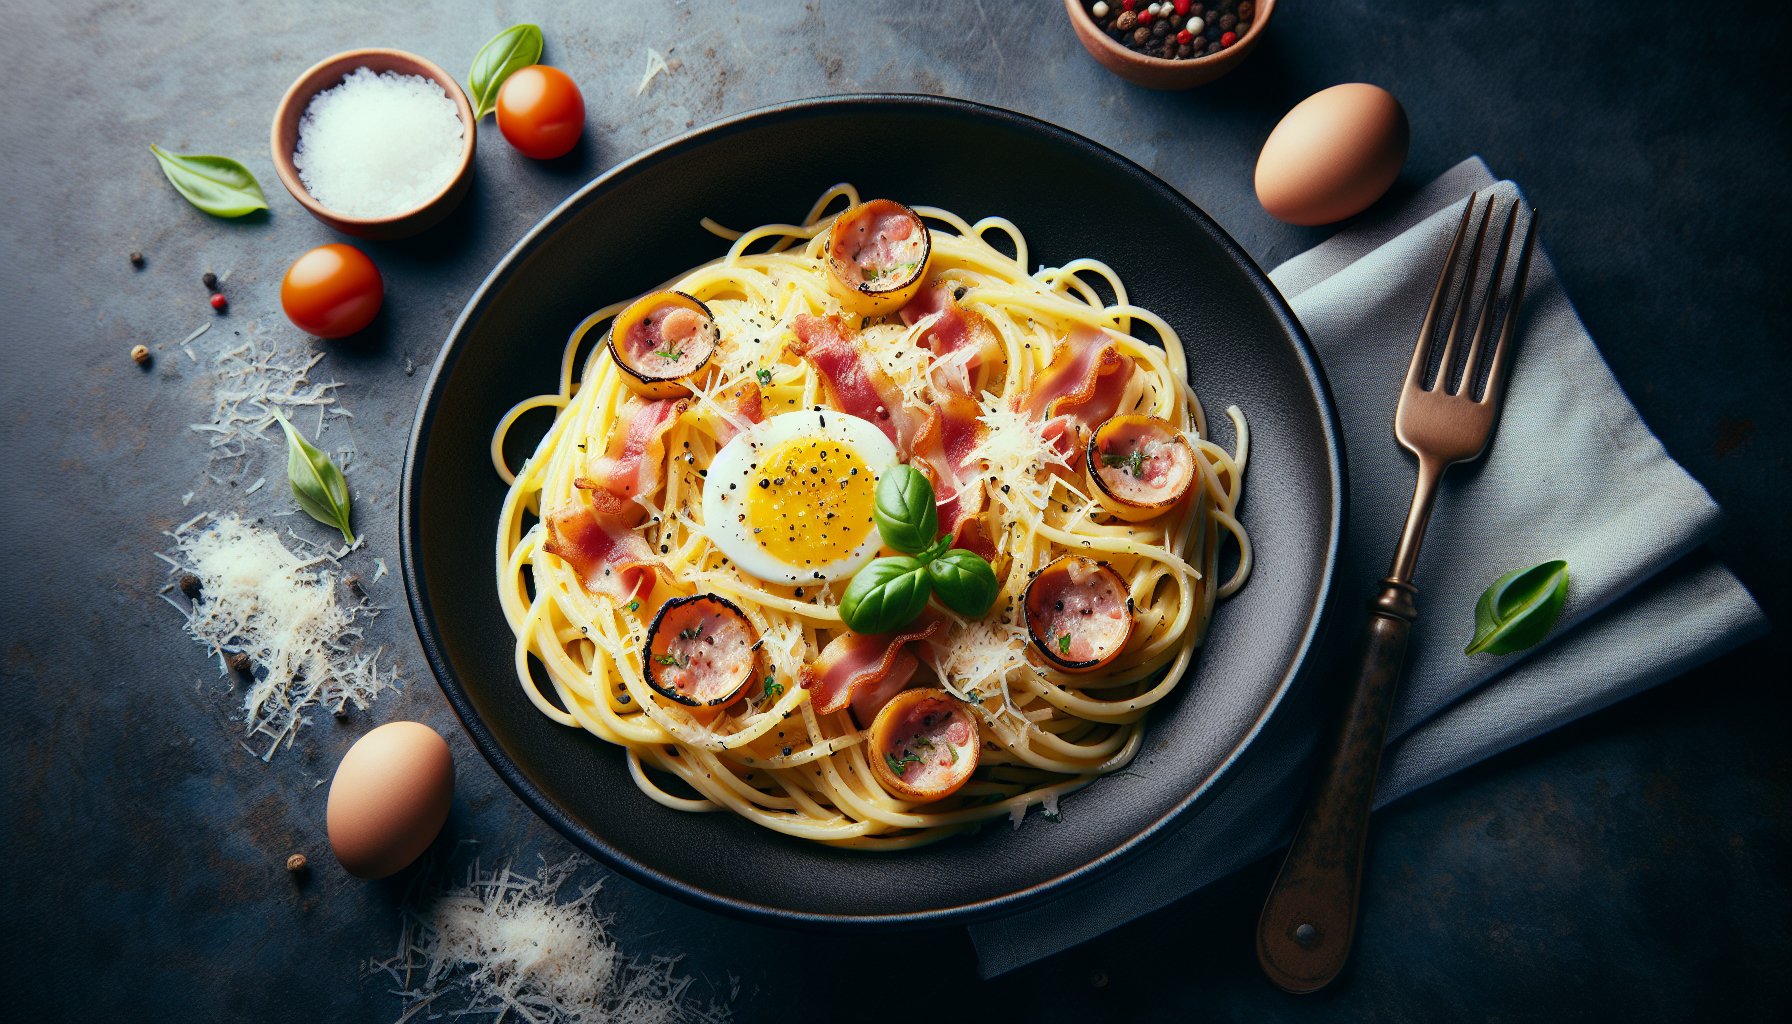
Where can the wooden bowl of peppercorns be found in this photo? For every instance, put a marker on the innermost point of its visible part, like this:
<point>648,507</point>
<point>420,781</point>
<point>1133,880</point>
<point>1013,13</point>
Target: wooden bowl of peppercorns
<point>1170,44</point>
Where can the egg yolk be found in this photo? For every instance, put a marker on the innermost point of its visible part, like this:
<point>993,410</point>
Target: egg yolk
<point>810,501</point>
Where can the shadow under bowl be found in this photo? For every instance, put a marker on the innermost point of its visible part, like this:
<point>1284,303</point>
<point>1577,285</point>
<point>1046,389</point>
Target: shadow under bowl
<point>328,73</point>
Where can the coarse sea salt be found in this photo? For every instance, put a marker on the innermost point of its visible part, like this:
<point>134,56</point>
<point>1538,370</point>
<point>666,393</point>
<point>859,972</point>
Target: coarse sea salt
<point>378,144</point>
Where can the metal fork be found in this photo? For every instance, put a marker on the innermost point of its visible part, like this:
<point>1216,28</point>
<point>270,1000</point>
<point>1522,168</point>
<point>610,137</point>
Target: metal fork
<point>1304,935</point>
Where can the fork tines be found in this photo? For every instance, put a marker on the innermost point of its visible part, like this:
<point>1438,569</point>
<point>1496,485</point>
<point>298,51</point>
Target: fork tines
<point>1419,375</point>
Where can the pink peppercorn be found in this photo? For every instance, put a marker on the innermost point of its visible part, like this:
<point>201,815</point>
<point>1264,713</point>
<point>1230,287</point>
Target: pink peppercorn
<point>218,301</point>
<point>1182,7</point>
<point>1228,39</point>
<point>1145,17</point>
<point>1184,38</point>
<point>1128,4</point>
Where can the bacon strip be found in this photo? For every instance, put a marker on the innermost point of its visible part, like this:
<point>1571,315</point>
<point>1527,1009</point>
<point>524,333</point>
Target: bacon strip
<point>634,459</point>
<point>962,338</point>
<point>866,671</point>
<point>860,387</point>
<point>1086,380</point>
<point>943,447</point>
<point>611,559</point>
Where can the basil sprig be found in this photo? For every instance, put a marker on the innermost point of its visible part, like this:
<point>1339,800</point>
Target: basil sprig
<point>216,184</point>
<point>1518,610</point>
<point>319,486</point>
<point>888,593</point>
<point>509,51</point>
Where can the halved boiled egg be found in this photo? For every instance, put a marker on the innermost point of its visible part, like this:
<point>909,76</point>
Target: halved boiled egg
<point>790,500</point>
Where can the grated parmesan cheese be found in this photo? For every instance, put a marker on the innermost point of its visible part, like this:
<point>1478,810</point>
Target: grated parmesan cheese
<point>250,380</point>
<point>507,944</point>
<point>257,598</point>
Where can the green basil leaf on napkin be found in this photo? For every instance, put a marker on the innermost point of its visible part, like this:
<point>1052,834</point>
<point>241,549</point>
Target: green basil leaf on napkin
<point>885,595</point>
<point>316,482</point>
<point>216,184</point>
<point>509,51</point>
<point>1519,608</point>
<point>904,511</point>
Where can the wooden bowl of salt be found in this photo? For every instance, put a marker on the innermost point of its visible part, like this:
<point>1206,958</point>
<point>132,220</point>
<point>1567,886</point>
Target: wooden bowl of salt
<point>356,157</point>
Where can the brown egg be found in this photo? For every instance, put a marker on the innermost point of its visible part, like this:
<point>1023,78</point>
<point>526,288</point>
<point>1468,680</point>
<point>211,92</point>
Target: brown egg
<point>1332,155</point>
<point>389,798</point>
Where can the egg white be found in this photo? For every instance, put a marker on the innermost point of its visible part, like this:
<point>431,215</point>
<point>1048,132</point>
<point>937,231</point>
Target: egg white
<point>723,505</point>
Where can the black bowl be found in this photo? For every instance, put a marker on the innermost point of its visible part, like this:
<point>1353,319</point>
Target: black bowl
<point>637,226</point>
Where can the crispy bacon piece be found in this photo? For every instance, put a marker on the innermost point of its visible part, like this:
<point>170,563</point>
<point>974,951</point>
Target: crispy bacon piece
<point>866,671</point>
<point>633,462</point>
<point>611,559</point>
<point>1087,380</point>
<point>960,338</point>
<point>942,451</point>
<point>860,387</point>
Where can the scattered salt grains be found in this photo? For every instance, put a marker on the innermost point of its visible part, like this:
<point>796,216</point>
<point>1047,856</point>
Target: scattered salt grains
<point>378,144</point>
<point>507,945</point>
<point>257,598</point>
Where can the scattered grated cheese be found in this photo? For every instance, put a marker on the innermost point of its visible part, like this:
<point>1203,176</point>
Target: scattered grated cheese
<point>978,660</point>
<point>251,378</point>
<point>510,947</point>
<point>1016,451</point>
<point>655,65</point>
<point>256,486</point>
<point>257,598</point>
<point>380,569</point>
<point>186,499</point>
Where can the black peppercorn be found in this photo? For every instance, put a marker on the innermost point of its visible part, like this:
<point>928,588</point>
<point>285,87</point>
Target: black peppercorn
<point>209,279</point>
<point>189,585</point>
<point>1185,51</point>
<point>1246,10</point>
<point>136,259</point>
<point>1227,21</point>
<point>238,662</point>
<point>1140,34</point>
<point>1160,28</point>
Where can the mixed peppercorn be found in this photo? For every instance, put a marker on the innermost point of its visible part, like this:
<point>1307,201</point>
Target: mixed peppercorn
<point>1174,29</point>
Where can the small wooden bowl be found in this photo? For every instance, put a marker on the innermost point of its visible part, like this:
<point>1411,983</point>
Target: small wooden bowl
<point>329,73</point>
<point>1155,72</point>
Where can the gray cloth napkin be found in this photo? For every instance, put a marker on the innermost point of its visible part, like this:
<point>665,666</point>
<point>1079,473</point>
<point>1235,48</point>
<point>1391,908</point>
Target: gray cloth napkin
<point>1572,473</point>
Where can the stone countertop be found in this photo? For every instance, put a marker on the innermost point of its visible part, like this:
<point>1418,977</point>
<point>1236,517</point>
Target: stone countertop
<point>1632,865</point>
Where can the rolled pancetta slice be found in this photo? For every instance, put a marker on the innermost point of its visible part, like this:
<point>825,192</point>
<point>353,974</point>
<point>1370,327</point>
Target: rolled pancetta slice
<point>1139,466</point>
<point>924,745</point>
<point>701,651</point>
<point>877,255</point>
<point>660,340</point>
<point>1078,614</point>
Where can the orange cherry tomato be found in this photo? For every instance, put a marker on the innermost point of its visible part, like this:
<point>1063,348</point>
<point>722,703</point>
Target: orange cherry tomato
<point>541,112</point>
<point>332,291</point>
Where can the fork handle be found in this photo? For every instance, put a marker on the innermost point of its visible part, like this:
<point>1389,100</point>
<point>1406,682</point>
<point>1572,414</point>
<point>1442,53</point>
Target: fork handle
<point>1304,935</point>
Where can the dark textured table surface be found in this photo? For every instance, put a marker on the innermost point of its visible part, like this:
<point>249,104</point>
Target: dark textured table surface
<point>1632,865</point>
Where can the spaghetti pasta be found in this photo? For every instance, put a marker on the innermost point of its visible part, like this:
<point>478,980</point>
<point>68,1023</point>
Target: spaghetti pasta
<point>771,757</point>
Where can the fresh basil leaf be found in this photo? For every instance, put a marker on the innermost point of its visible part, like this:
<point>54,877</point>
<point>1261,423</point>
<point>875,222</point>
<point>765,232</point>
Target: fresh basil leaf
<point>216,184</point>
<point>316,482</point>
<point>964,582</point>
<point>509,51</point>
<point>904,512</point>
<point>1518,610</point>
<point>885,595</point>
